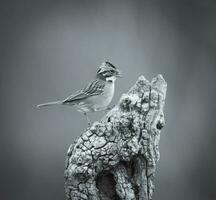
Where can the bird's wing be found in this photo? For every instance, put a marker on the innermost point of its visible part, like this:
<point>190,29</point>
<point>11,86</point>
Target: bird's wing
<point>94,88</point>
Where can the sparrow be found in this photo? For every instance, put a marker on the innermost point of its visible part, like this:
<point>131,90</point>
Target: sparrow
<point>96,96</point>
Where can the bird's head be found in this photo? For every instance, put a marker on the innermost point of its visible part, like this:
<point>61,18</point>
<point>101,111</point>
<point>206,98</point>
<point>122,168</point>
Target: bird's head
<point>108,72</point>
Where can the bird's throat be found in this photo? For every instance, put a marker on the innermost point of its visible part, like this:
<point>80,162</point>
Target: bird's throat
<point>111,79</point>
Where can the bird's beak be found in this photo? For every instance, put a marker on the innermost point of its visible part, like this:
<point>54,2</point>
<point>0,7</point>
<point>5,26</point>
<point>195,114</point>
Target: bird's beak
<point>118,73</point>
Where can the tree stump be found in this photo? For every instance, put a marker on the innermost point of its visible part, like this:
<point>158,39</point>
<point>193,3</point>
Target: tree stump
<point>116,158</point>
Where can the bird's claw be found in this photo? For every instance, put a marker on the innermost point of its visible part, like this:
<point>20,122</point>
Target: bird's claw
<point>89,124</point>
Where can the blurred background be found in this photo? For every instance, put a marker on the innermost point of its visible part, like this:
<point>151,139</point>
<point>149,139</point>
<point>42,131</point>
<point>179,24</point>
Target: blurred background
<point>49,49</point>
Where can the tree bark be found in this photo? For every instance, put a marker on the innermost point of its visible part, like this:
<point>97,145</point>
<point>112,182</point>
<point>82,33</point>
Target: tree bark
<point>116,158</point>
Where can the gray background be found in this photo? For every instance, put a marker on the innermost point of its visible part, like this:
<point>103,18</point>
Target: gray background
<point>49,49</point>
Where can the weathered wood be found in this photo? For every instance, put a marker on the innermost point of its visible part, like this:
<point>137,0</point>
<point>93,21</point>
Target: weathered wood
<point>116,158</point>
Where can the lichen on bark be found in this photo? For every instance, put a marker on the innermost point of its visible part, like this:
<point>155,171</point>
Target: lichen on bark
<point>115,159</point>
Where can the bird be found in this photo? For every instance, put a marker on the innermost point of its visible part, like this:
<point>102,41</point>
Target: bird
<point>96,96</point>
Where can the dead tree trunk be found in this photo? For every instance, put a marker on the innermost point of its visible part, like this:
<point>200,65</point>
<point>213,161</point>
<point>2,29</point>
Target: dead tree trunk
<point>116,158</point>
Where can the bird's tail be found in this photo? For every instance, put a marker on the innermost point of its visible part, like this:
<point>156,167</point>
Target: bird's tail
<point>49,104</point>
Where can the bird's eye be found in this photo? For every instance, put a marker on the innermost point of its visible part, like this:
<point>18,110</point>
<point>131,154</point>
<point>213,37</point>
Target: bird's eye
<point>112,71</point>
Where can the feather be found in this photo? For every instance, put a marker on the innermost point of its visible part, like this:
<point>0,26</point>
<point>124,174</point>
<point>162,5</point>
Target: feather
<point>94,88</point>
<point>49,104</point>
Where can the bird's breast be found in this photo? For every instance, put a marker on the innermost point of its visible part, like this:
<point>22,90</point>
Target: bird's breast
<point>97,102</point>
<point>102,101</point>
<point>108,93</point>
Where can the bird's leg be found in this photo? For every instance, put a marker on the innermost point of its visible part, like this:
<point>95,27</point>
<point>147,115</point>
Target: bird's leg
<point>88,120</point>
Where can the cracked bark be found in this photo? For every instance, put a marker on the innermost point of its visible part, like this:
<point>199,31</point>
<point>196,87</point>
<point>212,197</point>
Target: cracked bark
<point>116,158</point>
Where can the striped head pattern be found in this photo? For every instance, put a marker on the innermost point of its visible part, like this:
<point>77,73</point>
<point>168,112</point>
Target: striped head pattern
<point>107,71</point>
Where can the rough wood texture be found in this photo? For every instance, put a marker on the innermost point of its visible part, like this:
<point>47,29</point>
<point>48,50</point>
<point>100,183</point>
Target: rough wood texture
<point>116,158</point>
